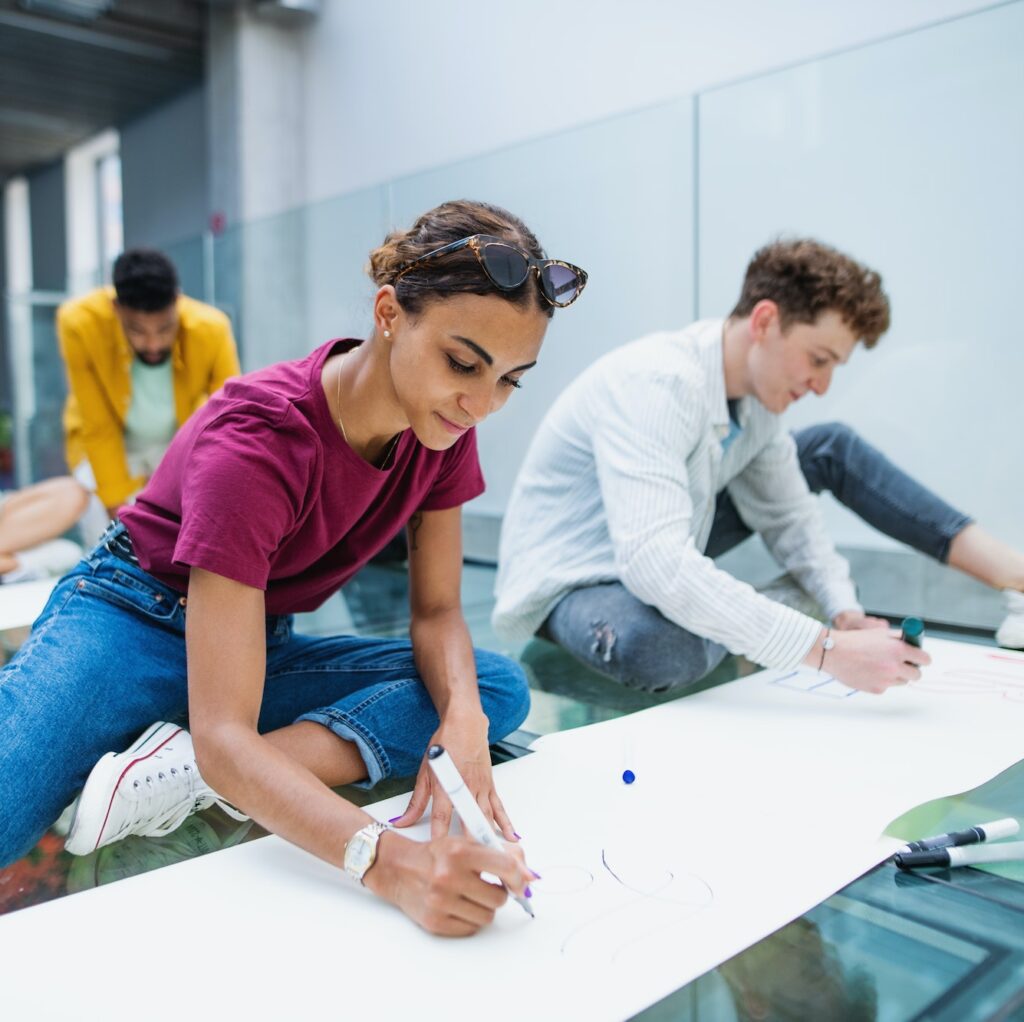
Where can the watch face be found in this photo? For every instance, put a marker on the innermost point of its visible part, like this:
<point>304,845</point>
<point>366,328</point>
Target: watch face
<point>358,855</point>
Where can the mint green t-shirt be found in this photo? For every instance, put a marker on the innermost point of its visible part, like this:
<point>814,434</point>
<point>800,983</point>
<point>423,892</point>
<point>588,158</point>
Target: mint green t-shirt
<point>151,421</point>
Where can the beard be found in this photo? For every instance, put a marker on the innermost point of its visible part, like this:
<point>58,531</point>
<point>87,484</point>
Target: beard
<point>156,359</point>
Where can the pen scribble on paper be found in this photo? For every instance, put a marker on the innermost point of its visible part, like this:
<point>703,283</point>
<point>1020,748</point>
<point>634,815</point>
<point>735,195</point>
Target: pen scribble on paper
<point>814,683</point>
<point>565,879</point>
<point>664,898</point>
<point>985,681</point>
<point>1003,679</point>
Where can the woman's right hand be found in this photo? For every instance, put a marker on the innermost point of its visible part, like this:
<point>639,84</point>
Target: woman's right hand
<point>438,885</point>
<point>871,660</point>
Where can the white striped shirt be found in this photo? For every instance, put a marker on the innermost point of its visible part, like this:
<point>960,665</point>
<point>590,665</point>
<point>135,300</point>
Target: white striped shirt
<point>620,483</point>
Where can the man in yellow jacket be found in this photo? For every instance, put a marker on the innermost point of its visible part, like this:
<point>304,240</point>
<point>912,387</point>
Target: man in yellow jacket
<point>141,357</point>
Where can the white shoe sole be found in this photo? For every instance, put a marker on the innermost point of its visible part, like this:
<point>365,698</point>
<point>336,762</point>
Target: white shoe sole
<point>86,833</point>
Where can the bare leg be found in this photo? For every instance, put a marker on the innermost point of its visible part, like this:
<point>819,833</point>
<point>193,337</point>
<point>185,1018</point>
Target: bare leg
<point>333,760</point>
<point>37,513</point>
<point>986,558</point>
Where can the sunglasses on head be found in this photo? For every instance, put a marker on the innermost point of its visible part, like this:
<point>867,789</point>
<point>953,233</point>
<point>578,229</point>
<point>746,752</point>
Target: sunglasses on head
<point>507,267</point>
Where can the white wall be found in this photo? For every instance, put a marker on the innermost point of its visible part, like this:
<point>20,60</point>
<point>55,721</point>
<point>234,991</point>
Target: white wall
<point>81,202</point>
<point>392,88</point>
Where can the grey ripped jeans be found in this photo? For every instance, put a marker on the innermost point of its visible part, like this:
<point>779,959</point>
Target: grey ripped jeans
<point>611,631</point>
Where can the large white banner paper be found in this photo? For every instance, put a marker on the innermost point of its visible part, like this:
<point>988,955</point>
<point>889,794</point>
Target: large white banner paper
<point>752,803</point>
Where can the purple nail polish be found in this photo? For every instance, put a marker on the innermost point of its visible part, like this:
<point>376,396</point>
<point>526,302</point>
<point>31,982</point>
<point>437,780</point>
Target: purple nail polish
<point>528,893</point>
<point>393,818</point>
<point>536,875</point>
<point>519,837</point>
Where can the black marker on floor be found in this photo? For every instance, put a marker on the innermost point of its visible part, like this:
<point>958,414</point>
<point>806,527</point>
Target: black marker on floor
<point>973,835</point>
<point>1009,851</point>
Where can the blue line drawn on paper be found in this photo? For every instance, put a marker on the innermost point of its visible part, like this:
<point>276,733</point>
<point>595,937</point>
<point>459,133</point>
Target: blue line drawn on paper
<point>813,682</point>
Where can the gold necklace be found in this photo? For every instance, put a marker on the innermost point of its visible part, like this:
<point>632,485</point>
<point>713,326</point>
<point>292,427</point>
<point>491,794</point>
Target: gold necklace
<point>337,400</point>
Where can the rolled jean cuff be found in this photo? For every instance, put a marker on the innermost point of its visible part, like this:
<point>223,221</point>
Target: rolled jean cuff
<point>949,533</point>
<point>350,730</point>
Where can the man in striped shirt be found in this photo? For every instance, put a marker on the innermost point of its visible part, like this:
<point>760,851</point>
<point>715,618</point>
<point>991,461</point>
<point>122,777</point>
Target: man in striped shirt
<point>668,451</point>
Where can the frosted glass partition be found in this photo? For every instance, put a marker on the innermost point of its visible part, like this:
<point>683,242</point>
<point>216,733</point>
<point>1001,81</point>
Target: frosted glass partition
<point>615,198</point>
<point>295,280</point>
<point>910,155</point>
<point>339,235</point>
<point>39,386</point>
<point>259,281</point>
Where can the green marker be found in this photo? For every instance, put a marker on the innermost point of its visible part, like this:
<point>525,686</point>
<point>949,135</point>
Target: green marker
<point>913,631</point>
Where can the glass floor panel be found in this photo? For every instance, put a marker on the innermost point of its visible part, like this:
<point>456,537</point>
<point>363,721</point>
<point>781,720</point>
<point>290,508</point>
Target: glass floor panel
<point>944,945</point>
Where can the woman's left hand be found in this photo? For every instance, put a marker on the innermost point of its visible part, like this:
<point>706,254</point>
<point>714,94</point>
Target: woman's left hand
<point>465,739</point>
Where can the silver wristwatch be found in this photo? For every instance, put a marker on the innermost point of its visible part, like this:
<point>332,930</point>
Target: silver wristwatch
<point>361,849</point>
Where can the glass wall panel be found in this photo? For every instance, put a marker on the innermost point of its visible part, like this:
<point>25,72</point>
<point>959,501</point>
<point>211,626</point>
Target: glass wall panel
<point>295,280</point>
<point>908,154</point>
<point>617,199</point>
<point>39,387</point>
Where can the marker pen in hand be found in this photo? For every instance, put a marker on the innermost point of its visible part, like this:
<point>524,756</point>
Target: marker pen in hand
<point>473,819</point>
<point>1009,851</point>
<point>972,836</point>
<point>912,631</point>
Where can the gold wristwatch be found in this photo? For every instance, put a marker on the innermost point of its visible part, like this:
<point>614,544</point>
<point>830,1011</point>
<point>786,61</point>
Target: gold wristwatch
<point>361,849</point>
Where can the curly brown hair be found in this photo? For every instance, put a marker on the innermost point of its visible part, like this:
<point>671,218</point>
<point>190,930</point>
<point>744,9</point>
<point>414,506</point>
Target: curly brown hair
<point>806,278</point>
<point>460,272</point>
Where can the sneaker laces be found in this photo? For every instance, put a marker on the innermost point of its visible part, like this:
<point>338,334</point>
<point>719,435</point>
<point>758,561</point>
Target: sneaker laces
<point>161,801</point>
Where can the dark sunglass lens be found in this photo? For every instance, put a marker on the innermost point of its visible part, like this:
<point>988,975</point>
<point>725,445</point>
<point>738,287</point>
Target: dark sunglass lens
<point>560,283</point>
<point>507,267</point>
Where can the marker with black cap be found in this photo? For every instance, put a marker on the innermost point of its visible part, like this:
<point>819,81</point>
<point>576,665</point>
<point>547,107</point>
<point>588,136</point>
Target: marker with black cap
<point>1008,851</point>
<point>473,819</point>
<point>973,835</point>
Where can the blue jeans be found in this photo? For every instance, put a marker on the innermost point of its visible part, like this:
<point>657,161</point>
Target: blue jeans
<point>612,632</point>
<point>106,658</point>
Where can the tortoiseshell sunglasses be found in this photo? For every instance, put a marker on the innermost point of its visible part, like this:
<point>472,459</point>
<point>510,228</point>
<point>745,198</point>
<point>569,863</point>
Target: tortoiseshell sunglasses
<point>507,267</point>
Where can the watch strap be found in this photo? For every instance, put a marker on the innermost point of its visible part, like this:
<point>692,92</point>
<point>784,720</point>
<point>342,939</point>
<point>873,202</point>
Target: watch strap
<point>370,837</point>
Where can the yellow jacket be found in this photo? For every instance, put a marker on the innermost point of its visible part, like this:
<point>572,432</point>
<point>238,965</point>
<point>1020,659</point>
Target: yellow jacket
<point>99,367</point>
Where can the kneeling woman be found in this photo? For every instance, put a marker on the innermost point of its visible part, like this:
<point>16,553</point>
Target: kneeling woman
<point>268,500</point>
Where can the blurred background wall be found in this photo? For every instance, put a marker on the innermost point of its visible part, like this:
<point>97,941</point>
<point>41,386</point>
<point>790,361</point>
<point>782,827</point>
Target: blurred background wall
<point>267,146</point>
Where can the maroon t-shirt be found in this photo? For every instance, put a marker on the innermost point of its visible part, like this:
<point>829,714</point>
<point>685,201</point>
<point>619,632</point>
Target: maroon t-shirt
<point>259,486</point>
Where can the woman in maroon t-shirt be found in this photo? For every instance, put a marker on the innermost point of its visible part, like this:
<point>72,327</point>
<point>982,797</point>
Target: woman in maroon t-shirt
<point>269,498</point>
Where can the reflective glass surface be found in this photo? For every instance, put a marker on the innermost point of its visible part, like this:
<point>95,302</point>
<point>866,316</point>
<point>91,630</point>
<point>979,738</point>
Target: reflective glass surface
<point>943,945</point>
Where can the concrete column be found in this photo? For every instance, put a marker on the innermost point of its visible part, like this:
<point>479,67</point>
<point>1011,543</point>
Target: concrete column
<point>257,149</point>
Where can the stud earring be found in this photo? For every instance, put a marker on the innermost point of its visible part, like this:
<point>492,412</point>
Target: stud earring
<point>387,335</point>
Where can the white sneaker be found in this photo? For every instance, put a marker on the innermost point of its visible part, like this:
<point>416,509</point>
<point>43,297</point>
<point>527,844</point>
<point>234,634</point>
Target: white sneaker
<point>786,590</point>
<point>1011,632</point>
<point>149,790</point>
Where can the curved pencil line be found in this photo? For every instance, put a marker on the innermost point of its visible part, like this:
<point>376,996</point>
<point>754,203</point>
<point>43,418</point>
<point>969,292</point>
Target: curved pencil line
<point>656,896</point>
<point>643,894</point>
